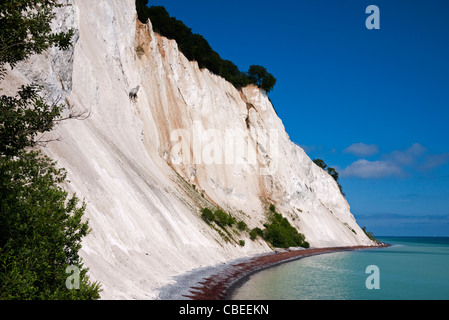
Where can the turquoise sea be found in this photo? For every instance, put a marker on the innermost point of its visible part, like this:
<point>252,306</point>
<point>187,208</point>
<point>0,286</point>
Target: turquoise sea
<point>412,268</point>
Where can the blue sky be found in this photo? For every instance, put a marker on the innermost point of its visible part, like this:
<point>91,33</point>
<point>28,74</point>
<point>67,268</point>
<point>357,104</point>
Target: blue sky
<point>372,103</point>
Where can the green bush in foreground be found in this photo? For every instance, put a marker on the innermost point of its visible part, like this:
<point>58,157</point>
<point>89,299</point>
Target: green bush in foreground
<point>41,228</point>
<point>40,232</point>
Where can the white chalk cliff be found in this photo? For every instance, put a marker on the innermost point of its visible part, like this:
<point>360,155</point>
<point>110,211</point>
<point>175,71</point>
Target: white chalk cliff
<point>147,165</point>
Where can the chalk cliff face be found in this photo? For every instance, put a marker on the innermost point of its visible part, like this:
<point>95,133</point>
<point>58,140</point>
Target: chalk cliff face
<point>146,165</point>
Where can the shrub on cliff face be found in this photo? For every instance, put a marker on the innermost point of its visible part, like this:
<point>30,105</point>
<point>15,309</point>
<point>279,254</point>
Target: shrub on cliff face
<point>280,233</point>
<point>220,217</point>
<point>241,225</point>
<point>255,232</point>
<point>207,215</point>
<point>223,219</point>
<point>370,235</point>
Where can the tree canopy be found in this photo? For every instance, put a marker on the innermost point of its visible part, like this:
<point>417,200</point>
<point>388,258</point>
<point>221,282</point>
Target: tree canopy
<point>260,76</point>
<point>196,48</point>
<point>320,163</point>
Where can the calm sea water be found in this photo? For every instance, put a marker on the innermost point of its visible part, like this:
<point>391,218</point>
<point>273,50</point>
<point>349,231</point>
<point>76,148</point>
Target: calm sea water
<point>412,268</point>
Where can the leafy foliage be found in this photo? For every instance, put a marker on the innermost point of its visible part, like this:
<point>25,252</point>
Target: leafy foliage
<point>260,76</point>
<point>40,227</point>
<point>220,217</point>
<point>22,118</point>
<point>40,231</point>
<point>241,225</point>
<point>26,30</point>
<point>370,235</point>
<point>331,171</point>
<point>207,215</point>
<point>320,163</point>
<point>223,219</point>
<point>280,233</point>
<point>255,232</point>
<point>196,48</point>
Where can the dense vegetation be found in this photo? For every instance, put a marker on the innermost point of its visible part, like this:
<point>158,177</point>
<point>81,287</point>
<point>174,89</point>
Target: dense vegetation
<point>196,48</point>
<point>280,233</point>
<point>220,217</point>
<point>331,171</point>
<point>225,222</point>
<point>40,226</point>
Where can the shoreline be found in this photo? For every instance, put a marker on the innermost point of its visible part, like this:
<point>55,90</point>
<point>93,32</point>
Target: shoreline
<point>222,284</point>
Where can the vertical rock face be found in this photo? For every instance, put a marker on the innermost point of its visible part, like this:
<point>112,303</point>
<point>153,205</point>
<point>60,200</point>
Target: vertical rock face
<point>147,160</point>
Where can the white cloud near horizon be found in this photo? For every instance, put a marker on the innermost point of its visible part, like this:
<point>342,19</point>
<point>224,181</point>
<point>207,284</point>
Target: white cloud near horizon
<point>361,149</point>
<point>407,157</point>
<point>372,169</point>
<point>433,161</point>
<point>392,164</point>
